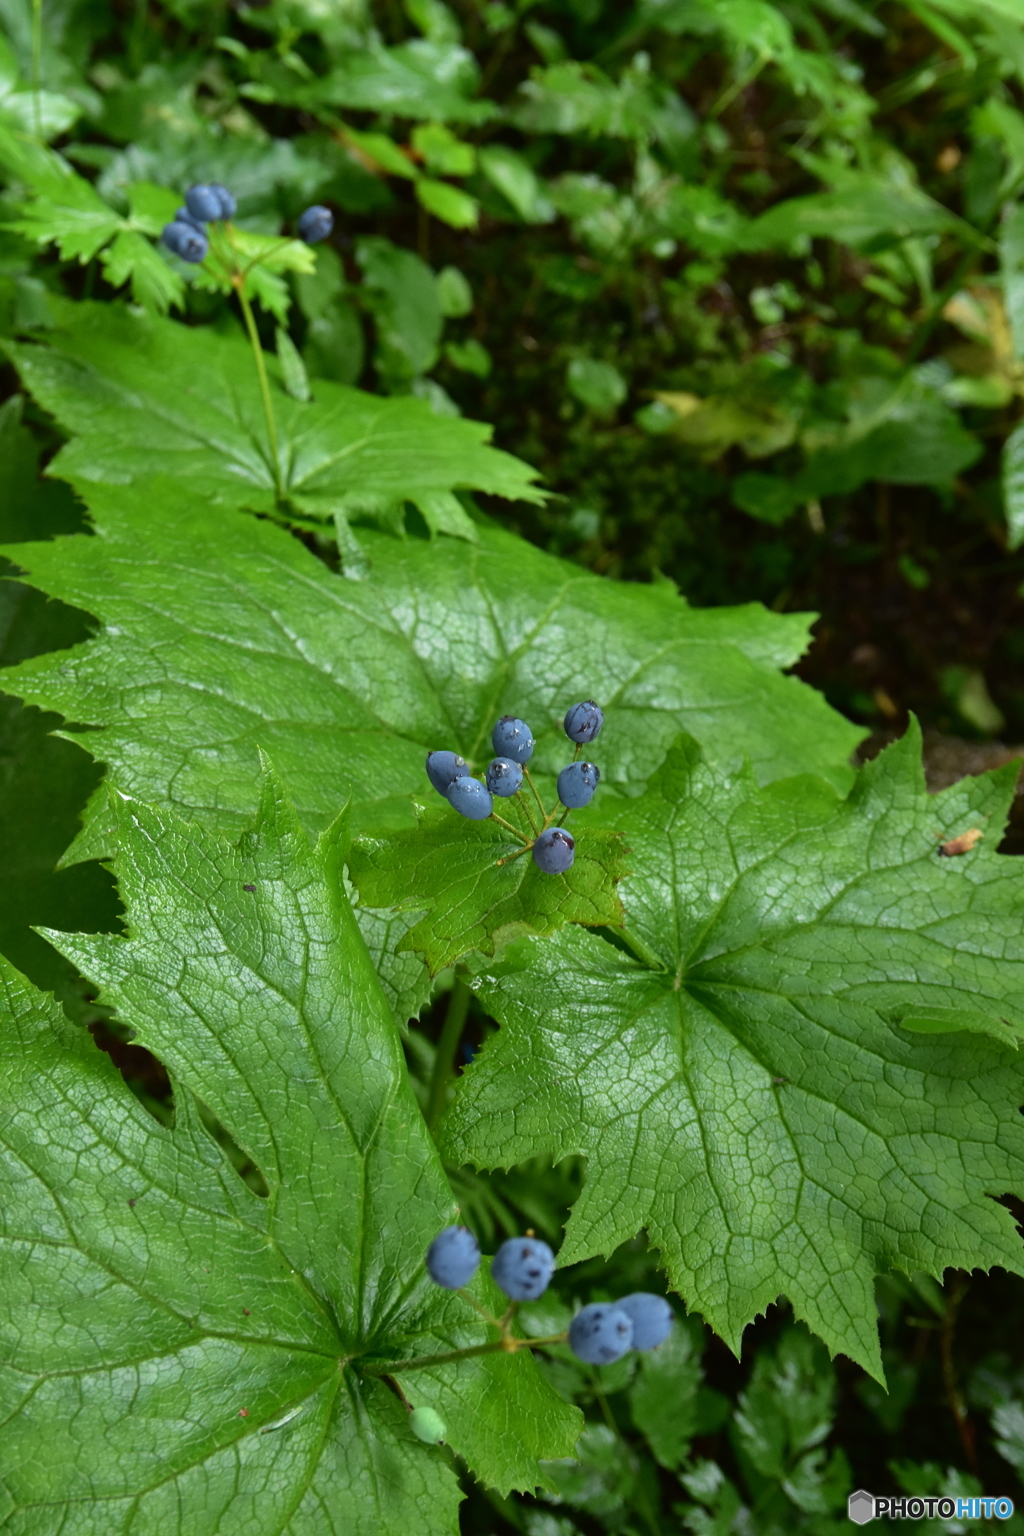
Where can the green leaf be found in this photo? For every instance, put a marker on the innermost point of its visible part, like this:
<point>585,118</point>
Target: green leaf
<point>431,81</point>
<point>403,296</point>
<point>769,498</point>
<point>862,210</point>
<point>221,633</point>
<point>44,782</point>
<point>293,370</point>
<point>941,1021</point>
<point>454,294</point>
<point>751,1104</point>
<point>449,204</point>
<point>149,396</point>
<point>69,213</point>
<point>478,891</point>
<point>196,1356</point>
<point>599,386</point>
<point>664,1394</point>
<point>515,178</point>
<point>1013,486</point>
<point>442,152</point>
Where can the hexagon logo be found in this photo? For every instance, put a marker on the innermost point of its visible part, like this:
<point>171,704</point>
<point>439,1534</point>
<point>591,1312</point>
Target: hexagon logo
<point>860,1507</point>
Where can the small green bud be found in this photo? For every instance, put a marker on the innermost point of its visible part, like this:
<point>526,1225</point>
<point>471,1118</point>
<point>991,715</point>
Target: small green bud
<point>427,1425</point>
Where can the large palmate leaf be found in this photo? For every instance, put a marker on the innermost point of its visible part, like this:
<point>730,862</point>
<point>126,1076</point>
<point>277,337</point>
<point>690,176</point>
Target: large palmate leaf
<point>750,1095</point>
<point>221,633</point>
<point>44,782</point>
<point>150,396</point>
<point>477,888</point>
<point>182,1355</point>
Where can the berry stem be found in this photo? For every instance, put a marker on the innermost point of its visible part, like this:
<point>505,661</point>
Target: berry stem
<point>261,374</point>
<point>444,1060</point>
<point>495,1347</point>
<point>536,796</point>
<point>510,828</point>
<point>510,856</point>
<point>495,1322</point>
<point>525,807</point>
<point>576,754</point>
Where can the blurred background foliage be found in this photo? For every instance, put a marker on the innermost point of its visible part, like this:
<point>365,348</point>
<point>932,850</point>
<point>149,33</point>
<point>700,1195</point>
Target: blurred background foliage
<point>745,281</point>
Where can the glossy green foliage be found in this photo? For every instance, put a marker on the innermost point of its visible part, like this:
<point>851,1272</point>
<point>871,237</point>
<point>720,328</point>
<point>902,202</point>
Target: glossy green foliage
<point>146,396</point>
<point>479,890</point>
<point>220,634</point>
<point>184,1353</point>
<point>748,1095</point>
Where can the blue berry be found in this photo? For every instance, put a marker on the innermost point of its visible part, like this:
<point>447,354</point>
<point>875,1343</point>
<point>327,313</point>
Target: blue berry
<point>583,721</point>
<point>203,202</point>
<point>453,1258</point>
<point>600,1333</point>
<point>443,768</point>
<point>554,851</point>
<point>523,1267</point>
<point>186,241</point>
<point>651,1316</point>
<point>227,202</point>
<point>504,777</point>
<point>314,224</point>
<point>182,216</point>
<point>577,783</point>
<point>427,1425</point>
<point>512,738</point>
<point>470,798</point>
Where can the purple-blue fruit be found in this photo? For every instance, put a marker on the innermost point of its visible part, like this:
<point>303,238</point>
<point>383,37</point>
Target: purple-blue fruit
<point>470,798</point>
<point>522,1268</point>
<point>554,851</point>
<point>453,1258</point>
<point>443,768</point>
<point>186,241</point>
<point>601,1333</point>
<point>583,721</point>
<point>504,776</point>
<point>182,216</point>
<point>512,738</point>
<point>314,224</point>
<point>227,202</point>
<point>651,1316</point>
<point>577,783</point>
<point>203,202</point>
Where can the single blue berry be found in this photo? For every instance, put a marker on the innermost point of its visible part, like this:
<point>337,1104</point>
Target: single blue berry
<point>453,1258</point>
<point>651,1316</point>
<point>443,768</point>
<point>470,798</point>
<point>576,784</point>
<point>523,1267</point>
<point>600,1333</point>
<point>583,721</point>
<point>504,776</point>
<point>227,202</point>
<point>203,202</point>
<point>554,851</point>
<point>315,224</point>
<point>512,738</point>
<point>186,241</point>
<point>182,216</point>
<point>427,1425</point>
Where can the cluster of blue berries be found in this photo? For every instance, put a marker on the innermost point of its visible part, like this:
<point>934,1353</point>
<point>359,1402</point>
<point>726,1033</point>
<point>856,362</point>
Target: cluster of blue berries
<point>208,202</point>
<point>522,1267</point>
<point>553,848</point>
